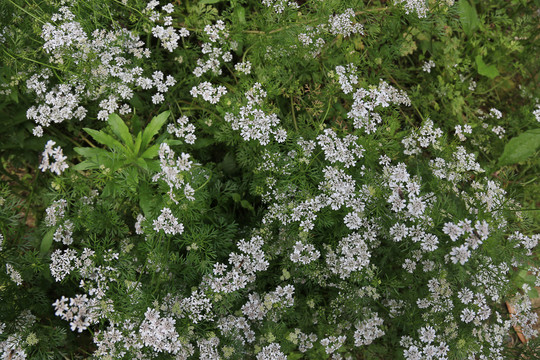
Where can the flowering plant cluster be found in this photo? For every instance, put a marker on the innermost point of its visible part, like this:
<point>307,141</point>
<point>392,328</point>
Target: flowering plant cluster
<point>270,179</point>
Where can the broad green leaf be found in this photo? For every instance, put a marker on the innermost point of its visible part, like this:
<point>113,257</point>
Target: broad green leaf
<point>121,130</point>
<point>142,163</point>
<point>208,2</point>
<point>86,165</point>
<point>145,199</point>
<point>151,152</point>
<point>521,147</point>
<point>91,152</point>
<point>46,242</point>
<point>153,128</point>
<point>533,293</point>
<point>487,70</point>
<point>240,14</point>
<point>153,165</point>
<point>173,142</point>
<point>105,139</point>
<point>468,17</point>
<point>138,142</point>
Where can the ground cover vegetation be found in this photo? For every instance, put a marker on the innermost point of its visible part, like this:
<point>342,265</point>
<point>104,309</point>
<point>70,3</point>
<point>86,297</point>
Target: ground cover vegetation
<point>245,179</point>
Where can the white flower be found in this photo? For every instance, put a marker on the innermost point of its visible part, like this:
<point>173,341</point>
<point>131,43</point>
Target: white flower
<point>168,223</point>
<point>460,254</point>
<point>366,101</point>
<point>14,274</point>
<point>428,65</point>
<point>244,67</point>
<point>271,352</point>
<point>280,5</point>
<point>183,129</point>
<point>345,150</point>
<point>208,92</point>
<point>420,7</point>
<point>64,233</point>
<point>59,164</point>
<point>342,24</point>
<point>368,330</point>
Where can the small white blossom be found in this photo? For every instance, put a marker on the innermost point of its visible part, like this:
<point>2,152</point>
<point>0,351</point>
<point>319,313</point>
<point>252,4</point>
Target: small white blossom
<point>168,223</point>
<point>428,65</point>
<point>14,275</point>
<point>59,164</point>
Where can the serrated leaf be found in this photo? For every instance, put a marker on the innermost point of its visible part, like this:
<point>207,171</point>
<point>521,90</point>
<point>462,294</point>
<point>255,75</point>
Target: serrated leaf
<point>153,128</point>
<point>486,70</point>
<point>533,293</point>
<point>151,152</point>
<point>105,139</point>
<point>520,148</point>
<point>120,128</point>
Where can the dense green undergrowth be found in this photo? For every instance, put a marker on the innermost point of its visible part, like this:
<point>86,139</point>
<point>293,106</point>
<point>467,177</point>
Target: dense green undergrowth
<point>244,179</point>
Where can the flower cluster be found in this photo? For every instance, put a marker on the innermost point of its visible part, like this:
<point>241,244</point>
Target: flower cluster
<point>368,330</point>
<point>59,164</point>
<point>64,233</point>
<point>333,343</point>
<point>80,311</point>
<point>428,65</point>
<point>304,253</point>
<point>345,150</point>
<point>420,7</point>
<point>172,171</point>
<point>338,24</point>
<point>461,130</point>
<point>271,352</point>
<point>256,308</point>
<point>422,138</point>
<point>279,5</point>
<point>351,255</point>
<point>217,34</point>
<point>168,35</point>
<point>304,341</point>
<point>244,267</point>
<point>366,101</point>
<point>159,333</point>
<point>183,129</point>
<point>14,275</point>
<point>243,67</point>
<point>208,92</point>
<point>341,24</point>
<point>347,77</point>
<point>168,223</point>
<point>253,122</point>
<point>55,212</point>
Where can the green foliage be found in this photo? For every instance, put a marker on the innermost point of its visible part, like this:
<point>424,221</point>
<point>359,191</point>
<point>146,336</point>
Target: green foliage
<point>520,148</point>
<point>347,151</point>
<point>124,151</point>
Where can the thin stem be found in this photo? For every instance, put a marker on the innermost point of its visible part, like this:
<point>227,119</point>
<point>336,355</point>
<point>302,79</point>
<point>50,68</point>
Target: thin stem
<point>27,12</point>
<point>293,115</point>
